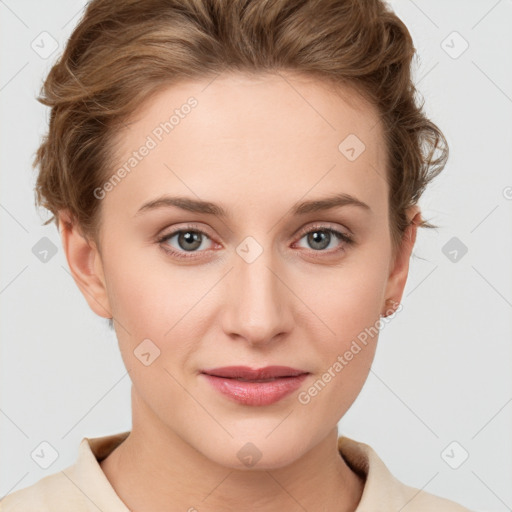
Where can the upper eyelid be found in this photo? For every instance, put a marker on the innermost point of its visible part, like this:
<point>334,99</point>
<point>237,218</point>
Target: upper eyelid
<point>322,226</point>
<point>316,225</point>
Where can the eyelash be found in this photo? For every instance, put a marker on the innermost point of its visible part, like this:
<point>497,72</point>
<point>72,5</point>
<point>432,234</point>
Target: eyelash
<point>347,239</point>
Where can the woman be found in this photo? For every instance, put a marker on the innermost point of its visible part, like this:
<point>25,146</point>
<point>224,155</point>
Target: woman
<point>281,140</point>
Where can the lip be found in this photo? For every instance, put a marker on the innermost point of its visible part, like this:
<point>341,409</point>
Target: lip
<point>244,372</point>
<point>263,386</point>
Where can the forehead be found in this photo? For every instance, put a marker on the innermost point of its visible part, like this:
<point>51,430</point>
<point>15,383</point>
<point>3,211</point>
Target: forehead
<point>231,101</point>
<point>258,138</point>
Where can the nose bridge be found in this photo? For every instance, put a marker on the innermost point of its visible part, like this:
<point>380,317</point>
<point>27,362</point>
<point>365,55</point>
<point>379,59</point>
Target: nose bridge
<point>257,306</point>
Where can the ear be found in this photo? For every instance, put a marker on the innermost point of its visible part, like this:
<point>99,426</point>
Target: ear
<point>84,261</point>
<point>399,269</point>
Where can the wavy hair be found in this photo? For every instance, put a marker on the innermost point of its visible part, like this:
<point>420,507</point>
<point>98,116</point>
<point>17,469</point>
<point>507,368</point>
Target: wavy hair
<point>122,52</point>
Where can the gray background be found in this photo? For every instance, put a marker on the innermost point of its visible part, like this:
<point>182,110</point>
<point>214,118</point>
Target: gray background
<point>442,371</point>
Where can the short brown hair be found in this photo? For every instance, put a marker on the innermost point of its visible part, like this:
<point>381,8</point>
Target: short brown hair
<point>123,51</point>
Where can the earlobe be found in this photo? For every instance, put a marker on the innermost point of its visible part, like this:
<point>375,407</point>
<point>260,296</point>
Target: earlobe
<point>85,265</point>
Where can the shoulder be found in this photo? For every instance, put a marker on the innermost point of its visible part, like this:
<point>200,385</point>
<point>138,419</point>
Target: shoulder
<point>53,493</point>
<point>417,500</point>
<point>382,491</point>
<point>80,487</point>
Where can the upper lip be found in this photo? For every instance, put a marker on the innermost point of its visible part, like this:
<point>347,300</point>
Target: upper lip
<point>244,372</point>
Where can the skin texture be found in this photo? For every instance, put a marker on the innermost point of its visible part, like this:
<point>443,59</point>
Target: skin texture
<point>255,146</point>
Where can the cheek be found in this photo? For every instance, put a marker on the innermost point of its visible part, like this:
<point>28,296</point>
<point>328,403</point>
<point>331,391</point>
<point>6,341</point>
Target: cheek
<point>152,300</point>
<point>160,304</point>
<point>346,354</point>
<point>348,299</point>
<point>146,292</point>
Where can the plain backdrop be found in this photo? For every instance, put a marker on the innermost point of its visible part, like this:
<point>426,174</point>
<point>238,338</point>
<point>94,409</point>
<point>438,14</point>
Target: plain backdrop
<point>437,405</point>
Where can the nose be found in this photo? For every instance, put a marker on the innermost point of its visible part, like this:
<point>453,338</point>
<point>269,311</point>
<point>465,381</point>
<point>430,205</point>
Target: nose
<point>259,303</point>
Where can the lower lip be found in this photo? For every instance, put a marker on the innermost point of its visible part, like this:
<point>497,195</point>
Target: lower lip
<point>256,393</point>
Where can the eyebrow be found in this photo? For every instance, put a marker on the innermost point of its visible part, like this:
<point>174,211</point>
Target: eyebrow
<point>207,207</point>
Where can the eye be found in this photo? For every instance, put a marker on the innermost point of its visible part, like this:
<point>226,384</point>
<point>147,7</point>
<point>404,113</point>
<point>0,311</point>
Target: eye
<point>188,240</point>
<point>191,239</point>
<point>322,237</point>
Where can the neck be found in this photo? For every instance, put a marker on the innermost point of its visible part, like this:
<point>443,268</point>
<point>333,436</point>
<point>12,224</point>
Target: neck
<point>155,469</point>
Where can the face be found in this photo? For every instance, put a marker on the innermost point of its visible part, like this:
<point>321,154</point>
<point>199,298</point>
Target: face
<point>269,282</point>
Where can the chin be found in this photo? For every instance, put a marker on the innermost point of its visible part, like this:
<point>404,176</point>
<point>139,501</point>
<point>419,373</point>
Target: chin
<point>257,452</point>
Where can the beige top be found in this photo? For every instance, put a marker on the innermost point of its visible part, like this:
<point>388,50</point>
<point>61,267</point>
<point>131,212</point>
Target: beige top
<point>83,487</point>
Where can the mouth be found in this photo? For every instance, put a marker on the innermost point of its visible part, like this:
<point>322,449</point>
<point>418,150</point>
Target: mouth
<point>246,374</point>
<point>258,387</point>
